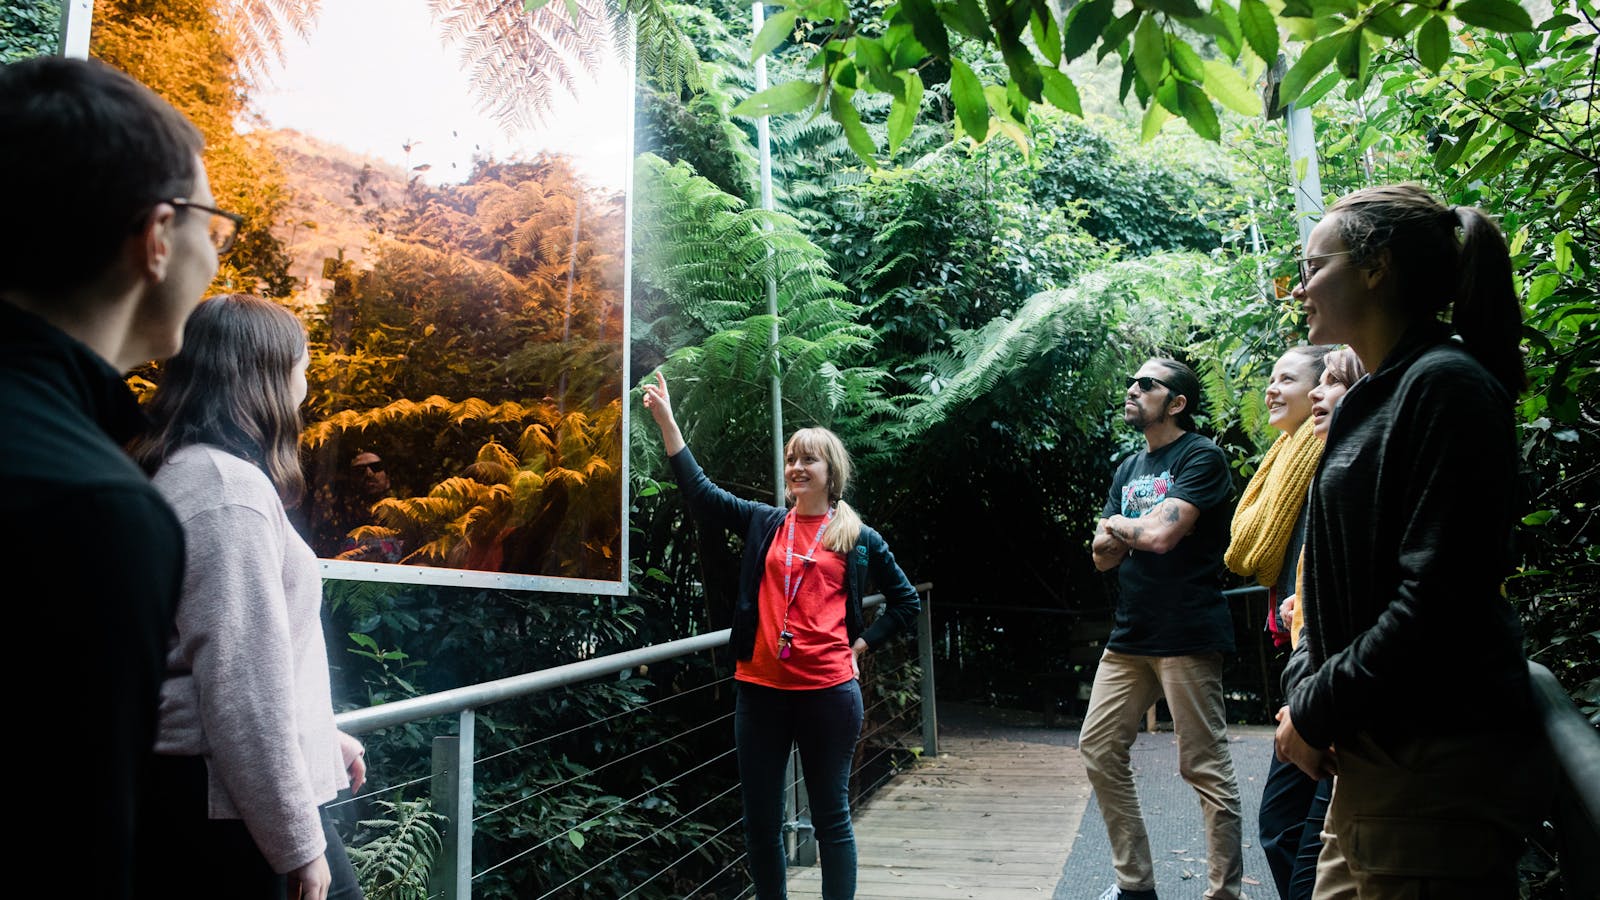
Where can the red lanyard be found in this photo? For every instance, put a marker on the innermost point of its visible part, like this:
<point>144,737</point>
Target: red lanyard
<point>791,590</point>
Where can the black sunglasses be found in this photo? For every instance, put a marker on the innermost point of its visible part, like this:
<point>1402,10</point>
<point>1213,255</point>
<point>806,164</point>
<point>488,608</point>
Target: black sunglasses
<point>374,467</point>
<point>1148,383</point>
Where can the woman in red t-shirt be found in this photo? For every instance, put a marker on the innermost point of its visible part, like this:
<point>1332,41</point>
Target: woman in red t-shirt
<point>797,632</point>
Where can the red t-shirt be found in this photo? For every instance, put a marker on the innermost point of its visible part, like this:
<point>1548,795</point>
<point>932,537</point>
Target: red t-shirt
<point>820,654</point>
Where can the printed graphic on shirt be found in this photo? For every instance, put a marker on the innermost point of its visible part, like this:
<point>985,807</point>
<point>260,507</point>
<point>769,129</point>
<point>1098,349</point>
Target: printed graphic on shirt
<point>1143,492</point>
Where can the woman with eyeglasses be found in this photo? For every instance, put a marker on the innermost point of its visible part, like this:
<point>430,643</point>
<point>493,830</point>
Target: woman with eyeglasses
<point>1267,530</point>
<point>246,748</point>
<point>798,630</point>
<point>1413,690</point>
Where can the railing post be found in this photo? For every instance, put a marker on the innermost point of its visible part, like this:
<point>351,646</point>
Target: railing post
<point>451,876</point>
<point>930,714</point>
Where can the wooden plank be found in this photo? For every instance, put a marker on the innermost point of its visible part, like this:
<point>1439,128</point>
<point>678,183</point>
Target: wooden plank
<point>989,818</point>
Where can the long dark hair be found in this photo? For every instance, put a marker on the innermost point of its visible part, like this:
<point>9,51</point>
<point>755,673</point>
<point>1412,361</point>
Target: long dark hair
<point>1435,269</point>
<point>229,387</point>
<point>1184,383</point>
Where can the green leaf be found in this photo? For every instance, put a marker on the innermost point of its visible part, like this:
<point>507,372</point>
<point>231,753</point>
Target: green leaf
<point>1187,62</point>
<point>1046,36</point>
<point>1562,246</point>
<point>903,111</point>
<point>1260,29</point>
<point>576,837</point>
<point>573,12</point>
<point>1538,517</point>
<point>1321,87</point>
<point>1155,116</point>
<point>1061,92</point>
<point>1310,64</point>
<point>1496,15</point>
<point>1451,150</point>
<point>1183,9</point>
<point>534,5</point>
<point>1198,111</point>
<point>928,28</point>
<point>791,96</point>
<point>1433,43</point>
<point>1354,56</point>
<point>1558,22</point>
<point>1118,31</point>
<point>1023,68</point>
<point>871,56</point>
<point>1150,52</point>
<point>967,94</point>
<point>905,51</point>
<point>364,640</point>
<point>968,17</point>
<point>776,30</point>
<point>1226,84</point>
<point>1084,26</point>
<point>1167,96</point>
<point>844,112</point>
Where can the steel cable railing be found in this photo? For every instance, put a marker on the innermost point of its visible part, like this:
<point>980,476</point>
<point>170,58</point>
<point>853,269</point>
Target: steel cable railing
<point>654,832</point>
<point>593,819</point>
<point>587,773</point>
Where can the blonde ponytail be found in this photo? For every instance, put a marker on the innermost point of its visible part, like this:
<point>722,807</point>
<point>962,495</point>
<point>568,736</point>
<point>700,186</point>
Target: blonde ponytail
<point>845,529</point>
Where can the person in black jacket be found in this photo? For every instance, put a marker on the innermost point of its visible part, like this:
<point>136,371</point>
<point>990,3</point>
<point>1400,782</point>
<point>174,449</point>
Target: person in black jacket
<point>1410,686</point>
<point>107,246</point>
<point>797,633</point>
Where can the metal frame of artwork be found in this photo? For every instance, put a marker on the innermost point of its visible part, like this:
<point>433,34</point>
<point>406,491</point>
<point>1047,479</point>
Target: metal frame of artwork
<point>76,22</point>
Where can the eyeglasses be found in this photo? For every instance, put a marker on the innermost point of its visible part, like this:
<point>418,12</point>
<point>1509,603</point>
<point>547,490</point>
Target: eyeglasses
<point>1305,273</point>
<point>375,468</point>
<point>223,227</point>
<point>1147,383</point>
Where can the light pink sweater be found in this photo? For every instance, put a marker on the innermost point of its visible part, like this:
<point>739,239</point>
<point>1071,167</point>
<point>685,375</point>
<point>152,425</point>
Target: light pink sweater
<point>247,684</point>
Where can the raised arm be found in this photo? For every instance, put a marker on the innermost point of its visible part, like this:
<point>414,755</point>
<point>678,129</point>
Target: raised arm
<point>659,402</point>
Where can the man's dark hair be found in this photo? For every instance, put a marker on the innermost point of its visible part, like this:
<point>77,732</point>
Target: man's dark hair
<point>1184,382</point>
<point>88,152</point>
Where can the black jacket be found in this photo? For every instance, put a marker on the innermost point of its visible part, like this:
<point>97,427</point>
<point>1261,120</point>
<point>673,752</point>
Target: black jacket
<point>869,562</point>
<point>1409,523</point>
<point>93,561</point>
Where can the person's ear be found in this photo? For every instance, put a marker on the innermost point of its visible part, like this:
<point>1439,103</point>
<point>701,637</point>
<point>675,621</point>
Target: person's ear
<point>1378,269</point>
<point>1177,403</point>
<point>156,241</point>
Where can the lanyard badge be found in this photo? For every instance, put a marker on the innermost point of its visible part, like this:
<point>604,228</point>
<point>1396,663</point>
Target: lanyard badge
<point>791,581</point>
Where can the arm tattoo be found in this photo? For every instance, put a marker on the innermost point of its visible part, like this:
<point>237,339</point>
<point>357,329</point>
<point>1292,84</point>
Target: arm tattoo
<point>1173,514</point>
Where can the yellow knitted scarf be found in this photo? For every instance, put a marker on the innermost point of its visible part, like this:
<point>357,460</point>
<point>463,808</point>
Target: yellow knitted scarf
<point>1264,521</point>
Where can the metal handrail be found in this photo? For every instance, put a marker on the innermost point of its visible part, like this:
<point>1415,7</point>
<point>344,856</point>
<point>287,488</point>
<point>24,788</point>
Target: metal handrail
<point>456,700</point>
<point>1575,807</point>
<point>454,755</point>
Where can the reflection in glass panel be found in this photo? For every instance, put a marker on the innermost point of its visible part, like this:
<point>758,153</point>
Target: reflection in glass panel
<point>446,189</point>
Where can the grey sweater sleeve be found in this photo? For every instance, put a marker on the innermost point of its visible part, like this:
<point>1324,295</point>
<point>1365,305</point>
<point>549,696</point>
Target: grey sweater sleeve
<point>234,630</point>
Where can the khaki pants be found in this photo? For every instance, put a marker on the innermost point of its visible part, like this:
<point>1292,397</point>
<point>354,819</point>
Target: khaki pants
<point>1422,818</point>
<point>1124,687</point>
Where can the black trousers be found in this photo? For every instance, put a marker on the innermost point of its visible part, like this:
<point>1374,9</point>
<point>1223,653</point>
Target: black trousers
<point>185,855</point>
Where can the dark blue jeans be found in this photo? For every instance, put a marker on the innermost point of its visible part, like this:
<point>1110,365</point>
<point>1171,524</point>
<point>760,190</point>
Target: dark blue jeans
<point>825,724</point>
<point>1292,809</point>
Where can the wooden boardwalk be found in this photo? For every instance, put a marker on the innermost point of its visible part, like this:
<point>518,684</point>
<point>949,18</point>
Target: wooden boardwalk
<point>993,817</point>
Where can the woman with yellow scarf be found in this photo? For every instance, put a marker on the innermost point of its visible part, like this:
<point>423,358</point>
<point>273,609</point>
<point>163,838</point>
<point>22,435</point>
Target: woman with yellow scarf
<point>1268,529</point>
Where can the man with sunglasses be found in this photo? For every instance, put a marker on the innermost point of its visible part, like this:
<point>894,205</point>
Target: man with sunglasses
<point>1164,529</point>
<point>111,239</point>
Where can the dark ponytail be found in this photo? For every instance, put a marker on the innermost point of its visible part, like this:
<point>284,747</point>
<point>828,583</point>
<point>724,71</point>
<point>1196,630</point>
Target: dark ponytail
<point>1434,269</point>
<point>1487,314</point>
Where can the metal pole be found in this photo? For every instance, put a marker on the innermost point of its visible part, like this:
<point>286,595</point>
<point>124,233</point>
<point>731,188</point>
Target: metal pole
<point>1303,168</point>
<point>764,155</point>
<point>76,17</point>
<point>451,876</point>
<point>930,714</point>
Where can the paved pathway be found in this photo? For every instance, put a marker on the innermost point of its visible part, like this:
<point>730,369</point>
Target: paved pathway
<point>1006,812</point>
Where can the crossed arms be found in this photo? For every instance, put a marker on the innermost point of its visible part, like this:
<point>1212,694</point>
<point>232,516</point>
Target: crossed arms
<point>1157,531</point>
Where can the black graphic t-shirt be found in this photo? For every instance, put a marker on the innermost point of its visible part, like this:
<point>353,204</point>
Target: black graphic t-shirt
<point>1171,603</point>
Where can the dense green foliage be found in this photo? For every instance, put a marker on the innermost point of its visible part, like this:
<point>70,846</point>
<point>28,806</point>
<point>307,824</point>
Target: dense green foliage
<point>29,28</point>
